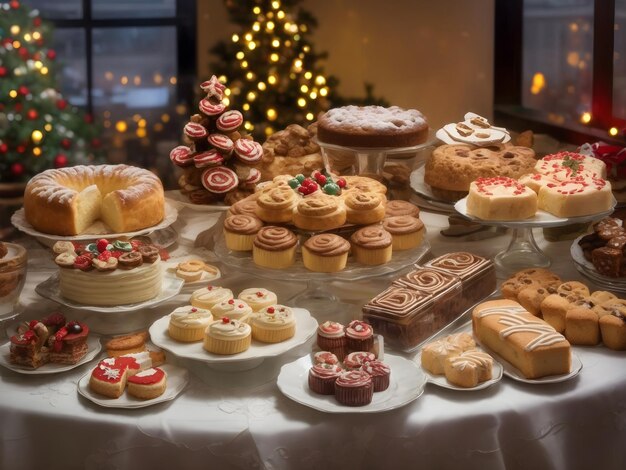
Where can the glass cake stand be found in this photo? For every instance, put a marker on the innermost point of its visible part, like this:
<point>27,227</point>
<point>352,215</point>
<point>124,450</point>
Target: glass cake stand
<point>523,251</point>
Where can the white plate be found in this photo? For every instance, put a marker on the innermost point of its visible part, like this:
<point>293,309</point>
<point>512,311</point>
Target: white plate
<point>177,379</point>
<point>50,290</point>
<point>617,284</point>
<point>441,381</point>
<point>306,326</point>
<point>541,218</point>
<point>180,199</point>
<point>93,348</point>
<point>170,267</point>
<point>406,383</point>
<point>97,230</point>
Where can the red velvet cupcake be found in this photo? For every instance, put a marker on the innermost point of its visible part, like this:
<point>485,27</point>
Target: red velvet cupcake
<point>359,336</point>
<point>354,388</point>
<point>325,357</point>
<point>380,373</point>
<point>355,360</point>
<point>322,378</point>
<point>331,337</point>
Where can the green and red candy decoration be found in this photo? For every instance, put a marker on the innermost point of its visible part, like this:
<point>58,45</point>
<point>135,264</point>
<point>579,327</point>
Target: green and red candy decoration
<point>319,180</point>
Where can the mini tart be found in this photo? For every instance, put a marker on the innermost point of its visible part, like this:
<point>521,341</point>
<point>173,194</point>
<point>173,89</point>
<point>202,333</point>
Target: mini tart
<point>187,324</point>
<point>325,253</point>
<point>406,231</point>
<point>235,309</point>
<point>364,208</point>
<point>258,298</point>
<point>322,377</point>
<point>273,324</point>
<point>274,247</point>
<point>331,336</point>
<point>380,373</point>
<point>209,296</point>
<point>147,384</point>
<point>227,337</point>
<point>276,205</point>
<point>359,336</point>
<point>239,231</point>
<point>372,245</point>
<point>319,213</point>
<point>400,207</point>
<point>354,388</point>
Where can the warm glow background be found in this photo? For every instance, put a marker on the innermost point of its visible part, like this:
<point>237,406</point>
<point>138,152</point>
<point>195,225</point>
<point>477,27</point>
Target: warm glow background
<point>433,56</point>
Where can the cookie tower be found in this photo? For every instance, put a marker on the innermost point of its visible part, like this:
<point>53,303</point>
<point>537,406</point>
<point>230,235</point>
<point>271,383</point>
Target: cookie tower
<point>219,162</point>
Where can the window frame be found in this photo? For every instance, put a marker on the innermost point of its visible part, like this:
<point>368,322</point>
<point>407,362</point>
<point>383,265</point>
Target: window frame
<point>508,55</point>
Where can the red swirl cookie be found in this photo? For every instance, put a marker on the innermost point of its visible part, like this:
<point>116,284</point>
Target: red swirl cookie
<point>221,142</point>
<point>181,156</point>
<point>195,131</point>
<point>211,109</point>
<point>219,179</point>
<point>208,158</point>
<point>229,121</point>
<point>248,151</point>
<point>213,88</point>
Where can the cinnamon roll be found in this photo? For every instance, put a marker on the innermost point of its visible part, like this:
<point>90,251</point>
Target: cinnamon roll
<point>318,213</point>
<point>364,208</point>
<point>277,204</point>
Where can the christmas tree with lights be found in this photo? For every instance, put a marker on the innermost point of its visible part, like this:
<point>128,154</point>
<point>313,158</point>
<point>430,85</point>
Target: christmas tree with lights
<point>39,129</point>
<point>273,71</point>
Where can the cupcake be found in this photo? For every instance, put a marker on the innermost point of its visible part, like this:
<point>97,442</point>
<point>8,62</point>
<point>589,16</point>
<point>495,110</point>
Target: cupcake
<point>274,247</point>
<point>325,357</point>
<point>258,298</point>
<point>227,336</point>
<point>380,373</point>
<point>364,208</point>
<point>356,359</point>
<point>331,336</point>
<point>371,245</point>
<point>235,309</point>
<point>406,232</point>
<point>209,296</point>
<point>320,212</point>
<point>245,206</point>
<point>322,378</point>
<point>400,207</point>
<point>239,231</point>
<point>354,388</point>
<point>188,323</point>
<point>276,204</point>
<point>325,253</point>
<point>359,336</point>
<point>273,324</point>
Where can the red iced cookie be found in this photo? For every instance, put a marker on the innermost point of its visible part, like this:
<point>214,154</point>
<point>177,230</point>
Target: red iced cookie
<point>208,158</point>
<point>229,121</point>
<point>248,151</point>
<point>211,109</point>
<point>221,142</point>
<point>181,156</point>
<point>219,179</point>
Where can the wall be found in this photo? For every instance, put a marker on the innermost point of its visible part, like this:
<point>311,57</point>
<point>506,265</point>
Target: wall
<point>433,56</point>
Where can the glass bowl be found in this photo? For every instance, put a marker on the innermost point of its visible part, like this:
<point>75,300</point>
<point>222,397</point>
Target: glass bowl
<point>12,278</point>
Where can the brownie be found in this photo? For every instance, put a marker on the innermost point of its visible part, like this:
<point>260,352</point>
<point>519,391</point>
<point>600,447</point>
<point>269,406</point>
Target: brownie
<point>607,261</point>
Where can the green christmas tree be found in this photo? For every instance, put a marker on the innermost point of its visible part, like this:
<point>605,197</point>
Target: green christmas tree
<point>272,69</point>
<point>39,129</point>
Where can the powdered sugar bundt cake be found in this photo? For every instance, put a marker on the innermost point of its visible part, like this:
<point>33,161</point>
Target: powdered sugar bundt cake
<point>66,201</point>
<point>372,126</point>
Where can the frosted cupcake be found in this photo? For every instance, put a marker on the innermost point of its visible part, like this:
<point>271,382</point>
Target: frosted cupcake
<point>322,378</point>
<point>227,336</point>
<point>274,247</point>
<point>325,253</point>
<point>359,336</point>
<point>235,309</point>
<point>406,231</point>
<point>354,388</point>
<point>331,336</point>
<point>239,231</point>
<point>209,296</point>
<point>188,323</point>
<point>273,324</point>
<point>355,360</point>
<point>258,298</point>
<point>380,373</point>
<point>372,245</point>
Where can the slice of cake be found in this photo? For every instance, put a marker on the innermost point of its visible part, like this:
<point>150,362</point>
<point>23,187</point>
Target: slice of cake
<point>501,198</point>
<point>69,344</point>
<point>468,368</point>
<point>576,197</point>
<point>28,348</point>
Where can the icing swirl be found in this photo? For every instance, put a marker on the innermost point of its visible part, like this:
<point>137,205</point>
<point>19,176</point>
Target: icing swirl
<point>402,224</point>
<point>230,329</point>
<point>245,206</point>
<point>318,206</point>
<point>190,317</point>
<point>397,302</point>
<point>276,316</point>
<point>327,244</point>
<point>371,237</point>
<point>359,329</point>
<point>243,224</point>
<point>277,198</point>
<point>376,368</point>
<point>429,280</point>
<point>325,370</point>
<point>400,207</point>
<point>274,238</point>
<point>461,263</point>
<point>325,357</point>
<point>354,360</point>
<point>363,201</point>
<point>331,329</point>
<point>354,378</point>
<point>209,296</point>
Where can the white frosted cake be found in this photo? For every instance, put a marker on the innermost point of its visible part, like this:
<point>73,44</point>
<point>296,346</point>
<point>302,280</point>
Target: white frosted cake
<point>500,198</point>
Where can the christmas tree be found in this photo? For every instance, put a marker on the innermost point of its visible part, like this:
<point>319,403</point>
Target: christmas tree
<point>39,129</point>
<point>273,71</point>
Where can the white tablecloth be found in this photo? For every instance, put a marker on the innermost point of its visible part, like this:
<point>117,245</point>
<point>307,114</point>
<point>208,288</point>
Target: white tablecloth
<point>239,419</point>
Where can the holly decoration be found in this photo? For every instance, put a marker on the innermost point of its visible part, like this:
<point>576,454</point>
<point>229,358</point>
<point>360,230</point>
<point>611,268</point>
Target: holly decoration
<point>35,119</point>
<point>318,180</point>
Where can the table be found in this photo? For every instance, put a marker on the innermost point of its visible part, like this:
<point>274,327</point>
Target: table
<point>241,420</point>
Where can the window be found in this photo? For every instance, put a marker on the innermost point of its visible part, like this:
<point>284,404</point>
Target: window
<point>131,63</point>
<point>560,68</point>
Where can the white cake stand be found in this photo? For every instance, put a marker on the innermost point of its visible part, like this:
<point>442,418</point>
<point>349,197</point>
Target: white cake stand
<point>523,251</point>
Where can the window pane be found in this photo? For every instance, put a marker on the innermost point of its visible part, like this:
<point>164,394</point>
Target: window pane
<point>557,60</point>
<point>57,9</point>
<point>72,64</point>
<point>134,94</point>
<point>619,61</point>
<point>133,8</point>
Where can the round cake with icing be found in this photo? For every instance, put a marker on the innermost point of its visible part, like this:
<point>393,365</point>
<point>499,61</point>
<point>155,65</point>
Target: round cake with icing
<point>501,198</point>
<point>66,201</point>
<point>372,126</point>
<point>109,274</point>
